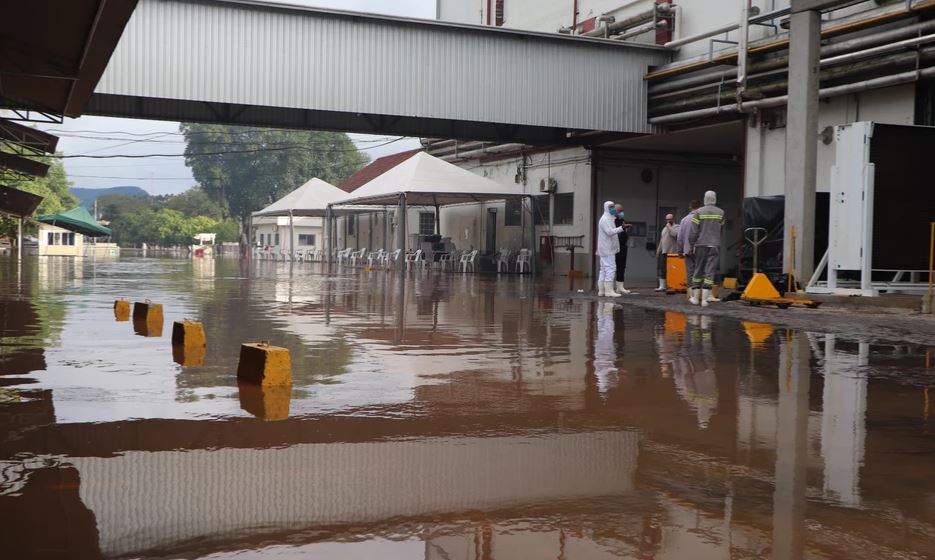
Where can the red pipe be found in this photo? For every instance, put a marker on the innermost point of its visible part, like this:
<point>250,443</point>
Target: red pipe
<point>488,12</point>
<point>574,17</point>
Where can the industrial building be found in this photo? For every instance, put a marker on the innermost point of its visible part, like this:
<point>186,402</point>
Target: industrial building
<point>718,119</point>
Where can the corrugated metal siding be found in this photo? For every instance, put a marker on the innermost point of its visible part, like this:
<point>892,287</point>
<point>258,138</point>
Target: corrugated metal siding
<point>230,53</point>
<point>145,500</point>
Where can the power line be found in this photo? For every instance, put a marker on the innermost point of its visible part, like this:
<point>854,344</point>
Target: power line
<point>258,150</point>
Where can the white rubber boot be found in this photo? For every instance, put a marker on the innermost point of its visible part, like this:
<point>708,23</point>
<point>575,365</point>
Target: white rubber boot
<point>609,290</point>
<point>705,297</point>
<point>695,295</point>
<point>621,289</point>
<point>662,285</point>
<point>711,297</point>
<point>600,288</point>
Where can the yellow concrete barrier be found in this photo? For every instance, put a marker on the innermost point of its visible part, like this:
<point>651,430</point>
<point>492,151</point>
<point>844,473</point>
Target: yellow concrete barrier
<point>147,318</point>
<point>188,356</point>
<point>122,310</point>
<point>188,333</point>
<point>266,403</point>
<point>262,364</point>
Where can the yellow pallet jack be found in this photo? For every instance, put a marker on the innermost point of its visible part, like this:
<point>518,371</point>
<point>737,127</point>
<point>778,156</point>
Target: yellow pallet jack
<point>760,291</point>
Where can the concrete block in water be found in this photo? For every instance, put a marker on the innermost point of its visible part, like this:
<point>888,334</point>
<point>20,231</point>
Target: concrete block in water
<point>266,403</point>
<point>262,364</point>
<point>147,318</point>
<point>147,310</point>
<point>188,333</point>
<point>122,310</point>
<point>188,356</point>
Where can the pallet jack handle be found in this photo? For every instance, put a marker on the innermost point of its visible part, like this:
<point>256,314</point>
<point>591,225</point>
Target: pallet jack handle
<point>756,236</point>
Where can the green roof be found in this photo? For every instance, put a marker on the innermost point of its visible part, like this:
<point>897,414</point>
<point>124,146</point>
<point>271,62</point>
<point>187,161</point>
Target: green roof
<point>78,220</point>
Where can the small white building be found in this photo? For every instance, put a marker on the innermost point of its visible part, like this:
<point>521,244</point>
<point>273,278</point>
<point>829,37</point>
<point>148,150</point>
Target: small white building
<point>299,212</point>
<point>59,242</point>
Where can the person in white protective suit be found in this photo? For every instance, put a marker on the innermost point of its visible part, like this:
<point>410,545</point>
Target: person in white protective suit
<point>605,349</point>
<point>608,244</point>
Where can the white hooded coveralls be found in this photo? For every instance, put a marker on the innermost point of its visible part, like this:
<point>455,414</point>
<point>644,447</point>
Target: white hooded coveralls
<point>608,245</point>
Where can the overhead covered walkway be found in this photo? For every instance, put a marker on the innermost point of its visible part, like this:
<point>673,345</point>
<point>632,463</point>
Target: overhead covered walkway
<point>256,63</point>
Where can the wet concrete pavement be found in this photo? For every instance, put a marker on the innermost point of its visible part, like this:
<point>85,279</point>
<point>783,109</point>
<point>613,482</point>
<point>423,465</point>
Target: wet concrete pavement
<point>444,417</point>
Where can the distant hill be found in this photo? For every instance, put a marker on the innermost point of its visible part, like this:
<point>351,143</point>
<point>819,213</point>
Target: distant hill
<point>88,196</point>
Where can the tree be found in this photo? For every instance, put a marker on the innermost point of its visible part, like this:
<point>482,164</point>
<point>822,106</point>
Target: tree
<point>196,202</point>
<point>248,168</point>
<point>54,190</point>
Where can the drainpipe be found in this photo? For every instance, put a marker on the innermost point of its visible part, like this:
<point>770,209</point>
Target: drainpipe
<point>741,81</point>
<point>574,17</point>
<point>488,11</point>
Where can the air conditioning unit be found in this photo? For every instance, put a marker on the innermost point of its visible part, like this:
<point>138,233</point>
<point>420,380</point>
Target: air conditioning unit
<point>548,185</point>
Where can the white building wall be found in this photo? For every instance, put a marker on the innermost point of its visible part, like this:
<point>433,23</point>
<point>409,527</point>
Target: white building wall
<point>301,226</point>
<point>58,250</point>
<point>765,166</point>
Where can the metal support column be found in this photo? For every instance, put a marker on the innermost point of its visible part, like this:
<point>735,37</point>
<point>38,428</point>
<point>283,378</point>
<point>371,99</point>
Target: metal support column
<point>802,139</point>
<point>386,230</point>
<point>329,249</point>
<point>19,238</point>
<point>791,448</point>
<point>401,235</point>
<point>291,237</point>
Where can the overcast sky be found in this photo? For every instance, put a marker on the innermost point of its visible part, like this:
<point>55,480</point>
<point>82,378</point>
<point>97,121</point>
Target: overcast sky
<point>166,175</point>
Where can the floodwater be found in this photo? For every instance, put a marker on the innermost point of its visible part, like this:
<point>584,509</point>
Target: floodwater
<point>445,417</point>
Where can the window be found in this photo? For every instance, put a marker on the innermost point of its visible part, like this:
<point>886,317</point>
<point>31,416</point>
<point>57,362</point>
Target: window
<point>541,210</point>
<point>68,238</point>
<point>513,213</point>
<point>276,243</point>
<point>306,239</point>
<point>51,239</point>
<point>499,13</point>
<point>351,224</point>
<point>564,209</point>
<point>426,223</point>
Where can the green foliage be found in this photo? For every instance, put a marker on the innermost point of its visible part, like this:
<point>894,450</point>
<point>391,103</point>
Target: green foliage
<point>248,168</point>
<point>54,190</point>
<point>195,202</point>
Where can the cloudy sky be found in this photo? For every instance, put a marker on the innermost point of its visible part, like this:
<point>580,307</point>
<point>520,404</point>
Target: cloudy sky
<point>166,175</point>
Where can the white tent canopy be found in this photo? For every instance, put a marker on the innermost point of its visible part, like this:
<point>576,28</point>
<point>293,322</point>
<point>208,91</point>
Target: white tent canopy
<point>311,199</point>
<point>429,181</point>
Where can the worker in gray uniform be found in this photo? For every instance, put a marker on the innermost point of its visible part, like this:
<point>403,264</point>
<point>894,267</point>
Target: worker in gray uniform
<point>705,246</point>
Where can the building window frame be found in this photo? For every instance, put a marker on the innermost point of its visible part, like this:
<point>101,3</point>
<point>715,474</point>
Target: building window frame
<point>563,212</point>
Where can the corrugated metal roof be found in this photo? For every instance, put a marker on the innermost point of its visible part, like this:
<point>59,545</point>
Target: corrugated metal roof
<point>262,56</point>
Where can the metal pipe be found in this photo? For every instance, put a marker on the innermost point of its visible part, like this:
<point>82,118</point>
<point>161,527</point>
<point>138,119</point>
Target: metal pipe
<point>741,81</point>
<point>760,90</point>
<point>489,150</point>
<point>713,79</point>
<point>622,24</point>
<point>848,57</point>
<point>639,30</point>
<point>728,28</point>
<point>19,239</point>
<point>857,22</point>
<point>855,87</point>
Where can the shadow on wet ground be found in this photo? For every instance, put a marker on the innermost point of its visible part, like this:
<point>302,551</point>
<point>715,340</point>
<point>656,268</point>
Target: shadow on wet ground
<point>445,416</point>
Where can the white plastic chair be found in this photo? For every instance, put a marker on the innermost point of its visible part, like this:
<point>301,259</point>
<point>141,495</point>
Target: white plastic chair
<point>503,260</point>
<point>343,256</point>
<point>522,261</point>
<point>467,260</point>
<point>415,259</point>
<point>358,257</point>
<point>377,256</point>
<point>445,262</point>
<point>392,259</point>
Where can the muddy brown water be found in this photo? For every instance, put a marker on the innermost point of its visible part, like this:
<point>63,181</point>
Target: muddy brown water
<point>445,417</point>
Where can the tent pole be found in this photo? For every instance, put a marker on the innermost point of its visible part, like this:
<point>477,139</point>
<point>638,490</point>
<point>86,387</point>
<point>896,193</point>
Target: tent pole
<point>329,217</point>
<point>19,239</point>
<point>401,233</point>
<point>291,238</point>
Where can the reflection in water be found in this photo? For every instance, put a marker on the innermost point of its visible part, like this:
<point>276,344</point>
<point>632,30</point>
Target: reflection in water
<point>444,417</point>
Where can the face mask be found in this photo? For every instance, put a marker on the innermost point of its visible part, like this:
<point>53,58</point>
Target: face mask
<point>613,211</point>
<point>621,215</point>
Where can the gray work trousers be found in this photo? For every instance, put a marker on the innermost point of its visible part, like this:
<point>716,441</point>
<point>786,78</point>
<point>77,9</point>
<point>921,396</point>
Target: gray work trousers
<point>707,262</point>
